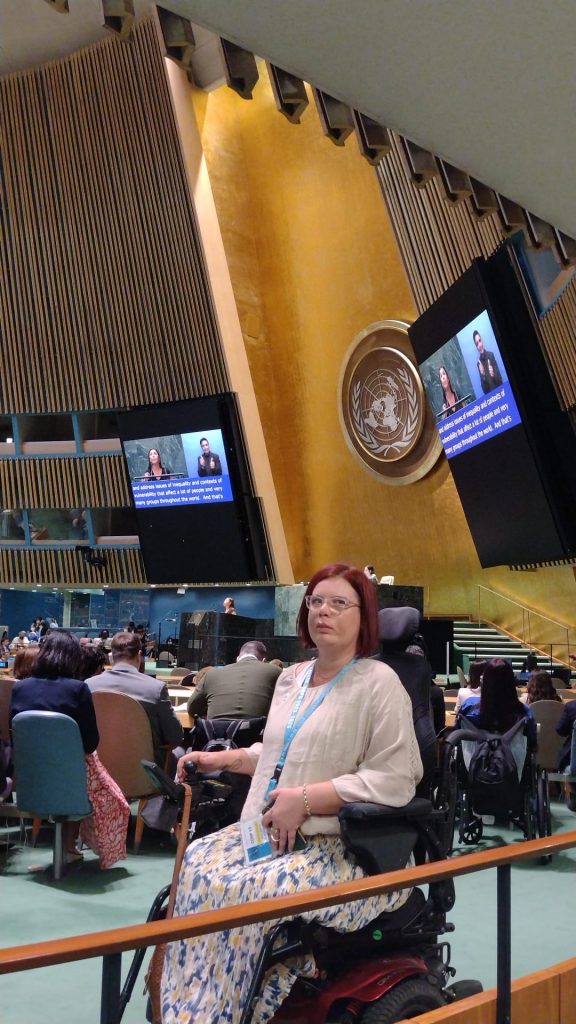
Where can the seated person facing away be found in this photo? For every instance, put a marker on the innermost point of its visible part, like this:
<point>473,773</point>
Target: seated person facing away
<point>339,730</point>
<point>125,677</point>
<point>530,663</point>
<point>241,690</point>
<point>499,708</point>
<point>540,687</point>
<point>25,661</point>
<point>465,693</point>
<point>56,686</point>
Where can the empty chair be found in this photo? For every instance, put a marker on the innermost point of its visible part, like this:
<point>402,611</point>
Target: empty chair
<point>50,771</point>
<point>547,714</point>
<point>125,740</point>
<point>165,660</point>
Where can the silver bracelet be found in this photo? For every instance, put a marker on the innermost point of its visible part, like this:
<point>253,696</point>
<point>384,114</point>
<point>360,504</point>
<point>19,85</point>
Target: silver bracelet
<point>306,804</point>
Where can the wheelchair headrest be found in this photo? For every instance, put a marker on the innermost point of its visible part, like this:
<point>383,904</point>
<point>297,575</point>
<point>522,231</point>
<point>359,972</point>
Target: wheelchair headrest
<point>396,626</point>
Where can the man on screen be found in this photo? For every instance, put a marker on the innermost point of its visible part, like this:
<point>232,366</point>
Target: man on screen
<point>490,376</point>
<point>208,462</point>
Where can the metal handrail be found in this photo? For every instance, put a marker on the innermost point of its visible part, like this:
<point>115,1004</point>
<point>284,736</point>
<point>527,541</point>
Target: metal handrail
<point>111,944</point>
<point>528,614</point>
<point>524,607</point>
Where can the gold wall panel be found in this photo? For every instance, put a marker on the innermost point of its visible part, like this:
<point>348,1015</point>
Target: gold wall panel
<point>314,259</point>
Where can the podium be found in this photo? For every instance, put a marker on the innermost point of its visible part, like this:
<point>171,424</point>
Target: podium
<point>214,638</point>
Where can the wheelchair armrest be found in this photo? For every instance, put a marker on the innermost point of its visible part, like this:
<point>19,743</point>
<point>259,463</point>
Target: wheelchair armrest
<point>368,812</point>
<point>380,837</point>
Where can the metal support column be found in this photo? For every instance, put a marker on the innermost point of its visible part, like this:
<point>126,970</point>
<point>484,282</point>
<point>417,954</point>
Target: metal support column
<point>503,944</point>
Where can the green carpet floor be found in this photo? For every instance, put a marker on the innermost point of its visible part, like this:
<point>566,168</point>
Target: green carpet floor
<point>33,907</point>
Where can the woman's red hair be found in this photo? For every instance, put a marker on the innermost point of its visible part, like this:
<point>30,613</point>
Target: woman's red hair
<point>366,591</point>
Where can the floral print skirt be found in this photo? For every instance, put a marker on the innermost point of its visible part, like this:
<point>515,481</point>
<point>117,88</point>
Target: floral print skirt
<point>105,830</point>
<point>206,979</point>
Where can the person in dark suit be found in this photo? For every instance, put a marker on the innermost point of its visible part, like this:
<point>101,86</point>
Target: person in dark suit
<point>208,462</point>
<point>241,690</point>
<point>125,677</point>
<point>490,376</point>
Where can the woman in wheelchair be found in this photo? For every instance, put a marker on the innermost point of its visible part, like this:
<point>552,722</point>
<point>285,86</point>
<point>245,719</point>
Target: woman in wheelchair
<point>339,730</point>
<point>499,707</point>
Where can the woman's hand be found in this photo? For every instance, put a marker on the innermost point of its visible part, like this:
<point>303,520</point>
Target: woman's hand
<point>216,761</point>
<point>205,761</point>
<point>285,816</point>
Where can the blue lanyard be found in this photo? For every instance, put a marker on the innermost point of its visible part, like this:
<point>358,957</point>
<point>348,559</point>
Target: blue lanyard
<point>295,723</point>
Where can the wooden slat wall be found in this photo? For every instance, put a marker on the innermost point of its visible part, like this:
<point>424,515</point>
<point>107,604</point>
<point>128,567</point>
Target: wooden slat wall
<point>438,240</point>
<point>66,567</point>
<point>88,482</point>
<point>104,298</point>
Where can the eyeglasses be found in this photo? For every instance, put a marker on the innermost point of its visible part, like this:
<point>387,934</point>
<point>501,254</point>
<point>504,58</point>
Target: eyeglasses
<point>335,604</point>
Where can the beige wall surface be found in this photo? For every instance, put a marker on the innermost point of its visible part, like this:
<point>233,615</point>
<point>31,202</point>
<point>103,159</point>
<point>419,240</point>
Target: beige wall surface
<point>313,261</point>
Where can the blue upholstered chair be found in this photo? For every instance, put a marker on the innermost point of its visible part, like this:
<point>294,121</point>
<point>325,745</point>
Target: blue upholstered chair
<point>50,771</point>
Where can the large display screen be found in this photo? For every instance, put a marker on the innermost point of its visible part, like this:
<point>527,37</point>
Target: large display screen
<point>468,388</point>
<point>178,469</point>
<point>199,520</point>
<point>511,446</point>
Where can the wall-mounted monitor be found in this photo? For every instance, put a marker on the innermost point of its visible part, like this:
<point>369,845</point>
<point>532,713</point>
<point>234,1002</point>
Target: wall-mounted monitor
<point>199,520</point>
<point>511,447</point>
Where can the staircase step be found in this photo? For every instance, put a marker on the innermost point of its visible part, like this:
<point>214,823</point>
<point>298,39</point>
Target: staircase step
<point>479,641</point>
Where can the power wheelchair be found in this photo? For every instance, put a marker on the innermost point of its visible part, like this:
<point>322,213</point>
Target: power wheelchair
<point>398,966</point>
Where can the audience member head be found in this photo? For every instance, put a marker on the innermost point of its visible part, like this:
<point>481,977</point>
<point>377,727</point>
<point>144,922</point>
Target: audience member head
<point>368,633</point>
<point>475,673</point>
<point>499,704</point>
<point>126,646</point>
<point>277,662</point>
<point>254,649</point>
<point>201,673</point>
<point>25,662</point>
<point>94,660</point>
<point>103,634</point>
<point>59,656</point>
<point>541,687</point>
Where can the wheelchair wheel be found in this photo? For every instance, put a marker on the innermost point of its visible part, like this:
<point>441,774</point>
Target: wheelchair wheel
<point>471,832</point>
<point>470,828</point>
<point>408,999</point>
<point>543,812</point>
<point>543,808</point>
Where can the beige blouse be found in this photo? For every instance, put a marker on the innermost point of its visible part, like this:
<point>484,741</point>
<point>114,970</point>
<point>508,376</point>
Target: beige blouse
<point>361,737</point>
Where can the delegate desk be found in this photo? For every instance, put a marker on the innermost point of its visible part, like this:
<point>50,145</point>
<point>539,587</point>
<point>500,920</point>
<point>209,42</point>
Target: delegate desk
<point>186,720</point>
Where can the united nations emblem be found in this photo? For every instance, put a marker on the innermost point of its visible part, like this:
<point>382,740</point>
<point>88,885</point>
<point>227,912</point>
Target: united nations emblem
<point>383,410</point>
